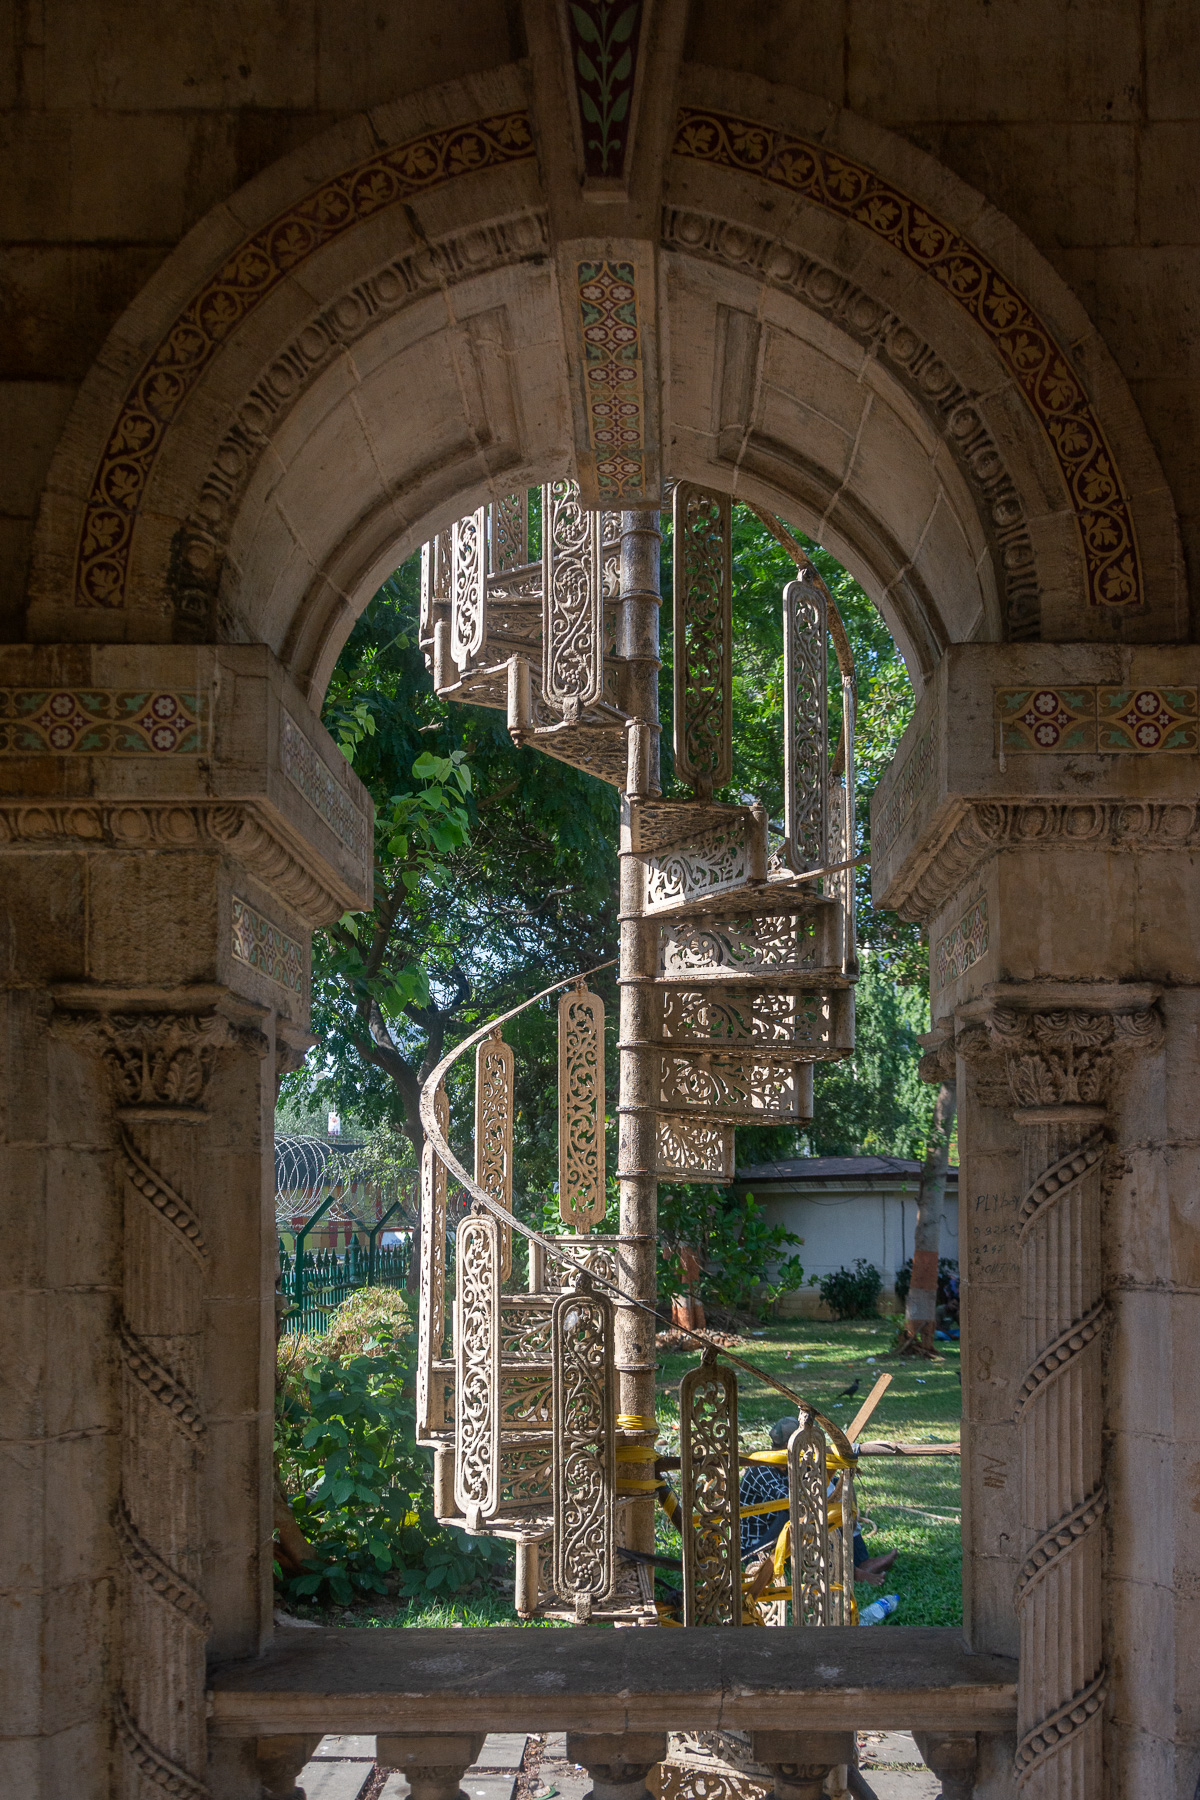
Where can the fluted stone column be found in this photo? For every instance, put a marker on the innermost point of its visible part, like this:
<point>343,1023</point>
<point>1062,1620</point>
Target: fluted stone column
<point>165,849</point>
<point>1062,1048</point>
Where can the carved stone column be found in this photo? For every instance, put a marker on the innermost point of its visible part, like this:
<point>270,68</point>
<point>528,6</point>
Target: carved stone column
<point>801,1760</point>
<point>434,1762</point>
<point>160,1064</point>
<point>618,1762</point>
<point>1062,1047</point>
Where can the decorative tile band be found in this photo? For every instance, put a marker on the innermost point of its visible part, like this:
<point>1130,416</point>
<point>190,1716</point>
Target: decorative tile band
<point>1039,366</point>
<point>324,793</point>
<point>911,783</point>
<point>1090,719</point>
<point>614,378</point>
<point>263,946</point>
<point>250,273</point>
<point>962,945</point>
<point>100,722</point>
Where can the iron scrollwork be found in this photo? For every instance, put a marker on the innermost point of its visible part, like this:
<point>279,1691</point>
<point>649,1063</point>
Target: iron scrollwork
<point>812,1601</point>
<point>431,1312</point>
<point>708,1437</point>
<point>581,1196</point>
<point>494,1132</point>
<point>805,727</point>
<point>703,637</point>
<point>584,1480</point>
<point>468,587</point>
<point>477,1368</point>
<point>573,600</point>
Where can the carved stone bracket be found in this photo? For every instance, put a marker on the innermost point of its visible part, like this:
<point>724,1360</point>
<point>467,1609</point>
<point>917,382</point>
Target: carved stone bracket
<point>175,826</point>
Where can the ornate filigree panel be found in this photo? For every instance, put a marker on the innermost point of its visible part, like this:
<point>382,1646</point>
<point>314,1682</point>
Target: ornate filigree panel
<point>437,582</point>
<point>508,536</point>
<point>584,1445</point>
<point>962,946</point>
<point>526,1476</point>
<point>737,1085</point>
<point>707,864</point>
<point>524,1330</point>
<point>493,1131</point>
<point>1042,370</point>
<point>812,1602</point>
<point>468,587</point>
<point>598,1256</point>
<point>581,1196</point>
<point>525,1398</point>
<point>694,1149</point>
<point>805,727</point>
<point>477,1367</point>
<point>703,637</point>
<point>708,1438</point>
<point>431,1314</point>
<point>573,600</point>
<point>741,946</point>
<point>782,1016</point>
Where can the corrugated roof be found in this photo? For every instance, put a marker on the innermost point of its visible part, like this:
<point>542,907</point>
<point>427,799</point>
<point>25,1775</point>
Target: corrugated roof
<point>831,1168</point>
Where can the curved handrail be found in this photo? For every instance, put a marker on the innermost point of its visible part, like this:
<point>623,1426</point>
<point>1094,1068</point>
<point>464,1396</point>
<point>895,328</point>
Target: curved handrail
<point>553,1248</point>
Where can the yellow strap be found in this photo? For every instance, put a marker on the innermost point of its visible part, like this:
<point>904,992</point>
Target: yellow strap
<point>635,1422</point>
<point>764,1506</point>
<point>635,1453</point>
<point>777,1458</point>
<point>783,1549</point>
<point>627,1485</point>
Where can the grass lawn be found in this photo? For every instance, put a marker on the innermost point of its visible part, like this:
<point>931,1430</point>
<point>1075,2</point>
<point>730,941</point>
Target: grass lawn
<point>912,1505</point>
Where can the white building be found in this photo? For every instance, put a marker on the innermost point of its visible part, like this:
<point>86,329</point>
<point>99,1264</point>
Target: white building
<point>844,1207</point>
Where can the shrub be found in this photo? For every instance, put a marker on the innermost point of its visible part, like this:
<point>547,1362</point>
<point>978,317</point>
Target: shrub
<point>947,1272</point>
<point>734,1245</point>
<point>360,1489</point>
<point>853,1293</point>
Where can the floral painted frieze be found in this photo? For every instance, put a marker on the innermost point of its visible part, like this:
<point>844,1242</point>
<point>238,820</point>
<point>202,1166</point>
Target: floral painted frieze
<point>260,945</point>
<point>963,944</point>
<point>1086,719</point>
<point>100,722</point>
<point>614,378</point>
<point>309,775</point>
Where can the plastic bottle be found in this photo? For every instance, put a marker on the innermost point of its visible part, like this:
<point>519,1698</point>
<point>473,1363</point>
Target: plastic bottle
<point>879,1609</point>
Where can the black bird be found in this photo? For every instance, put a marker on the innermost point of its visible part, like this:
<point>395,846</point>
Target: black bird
<point>849,1393</point>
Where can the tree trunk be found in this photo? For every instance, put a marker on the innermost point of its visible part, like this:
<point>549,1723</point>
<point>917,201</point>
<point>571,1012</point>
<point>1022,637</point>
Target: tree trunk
<point>921,1304</point>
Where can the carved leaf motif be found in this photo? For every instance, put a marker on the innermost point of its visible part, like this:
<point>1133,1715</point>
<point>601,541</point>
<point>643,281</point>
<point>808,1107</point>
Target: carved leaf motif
<point>573,600</point>
<point>584,1446</point>
<point>494,1131</point>
<point>805,728</point>
<point>712,1570</point>
<point>477,1367</point>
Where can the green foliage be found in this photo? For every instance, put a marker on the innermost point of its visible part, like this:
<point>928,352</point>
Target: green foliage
<point>875,1103</point>
<point>734,1246</point>
<point>360,1490</point>
<point>853,1293</point>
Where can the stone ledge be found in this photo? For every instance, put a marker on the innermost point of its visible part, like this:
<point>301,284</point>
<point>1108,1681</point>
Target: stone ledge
<point>395,1681</point>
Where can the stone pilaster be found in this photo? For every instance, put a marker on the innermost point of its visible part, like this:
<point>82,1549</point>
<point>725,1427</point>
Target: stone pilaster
<point>173,822</point>
<point>1062,1048</point>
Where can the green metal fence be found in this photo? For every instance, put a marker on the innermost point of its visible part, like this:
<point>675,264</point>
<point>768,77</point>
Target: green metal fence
<point>315,1282</point>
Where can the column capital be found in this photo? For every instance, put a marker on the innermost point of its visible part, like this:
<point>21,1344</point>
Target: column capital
<point>158,1045</point>
<point>1060,1045</point>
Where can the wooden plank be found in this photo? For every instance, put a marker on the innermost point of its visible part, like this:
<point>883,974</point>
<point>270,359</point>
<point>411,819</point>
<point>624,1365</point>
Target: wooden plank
<point>393,1680</point>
